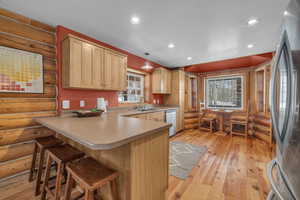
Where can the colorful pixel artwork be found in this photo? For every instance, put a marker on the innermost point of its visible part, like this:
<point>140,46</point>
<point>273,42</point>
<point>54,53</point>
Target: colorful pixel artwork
<point>20,71</point>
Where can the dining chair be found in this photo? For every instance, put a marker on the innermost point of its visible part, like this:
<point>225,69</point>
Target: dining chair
<point>208,121</point>
<point>239,119</point>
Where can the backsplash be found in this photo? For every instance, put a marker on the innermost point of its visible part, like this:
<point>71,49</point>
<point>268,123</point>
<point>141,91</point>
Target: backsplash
<point>89,98</point>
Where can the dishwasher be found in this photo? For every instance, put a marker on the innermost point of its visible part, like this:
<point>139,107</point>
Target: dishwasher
<point>171,119</point>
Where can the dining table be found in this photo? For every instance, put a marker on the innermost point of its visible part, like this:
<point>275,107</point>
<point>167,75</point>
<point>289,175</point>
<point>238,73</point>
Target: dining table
<point>222,115</point>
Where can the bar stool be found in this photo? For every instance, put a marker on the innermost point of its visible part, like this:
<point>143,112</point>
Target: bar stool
<point>90,175</point>
<point>41,145</point>
<point>61,155</point>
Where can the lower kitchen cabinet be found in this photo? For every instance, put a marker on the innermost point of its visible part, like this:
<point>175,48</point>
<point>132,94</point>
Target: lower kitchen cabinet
<point>156,116</point>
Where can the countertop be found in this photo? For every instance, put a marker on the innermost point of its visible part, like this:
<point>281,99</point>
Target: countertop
<point>111,130</point>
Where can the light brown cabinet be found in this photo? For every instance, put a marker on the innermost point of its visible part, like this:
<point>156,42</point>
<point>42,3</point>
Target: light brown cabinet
<point>161,81</point>
<point>90,66</point>
<point>177,96</point>
<point>155,116</point>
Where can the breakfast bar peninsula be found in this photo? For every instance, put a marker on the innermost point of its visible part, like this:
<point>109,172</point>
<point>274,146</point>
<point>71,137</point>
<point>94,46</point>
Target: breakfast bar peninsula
<point>137,148</point>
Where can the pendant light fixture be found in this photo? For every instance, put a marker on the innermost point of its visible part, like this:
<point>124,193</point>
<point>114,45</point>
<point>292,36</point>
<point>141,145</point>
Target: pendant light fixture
<point>147,65</point>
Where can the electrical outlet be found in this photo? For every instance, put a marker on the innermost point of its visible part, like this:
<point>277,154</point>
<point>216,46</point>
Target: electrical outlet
<point>66,104</point>
<point>82,103</point>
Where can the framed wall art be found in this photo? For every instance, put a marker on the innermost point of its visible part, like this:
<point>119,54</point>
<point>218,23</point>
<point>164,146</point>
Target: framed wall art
<point>20,71</point>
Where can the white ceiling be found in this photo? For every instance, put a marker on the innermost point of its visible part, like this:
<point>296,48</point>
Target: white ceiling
<point>206,30</point>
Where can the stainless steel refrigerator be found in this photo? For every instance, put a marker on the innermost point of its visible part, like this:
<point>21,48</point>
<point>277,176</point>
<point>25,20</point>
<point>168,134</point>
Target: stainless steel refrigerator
<point>284,170</point>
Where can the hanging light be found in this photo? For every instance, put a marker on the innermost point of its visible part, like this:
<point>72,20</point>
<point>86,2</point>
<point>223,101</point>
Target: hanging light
<point>147,66</point>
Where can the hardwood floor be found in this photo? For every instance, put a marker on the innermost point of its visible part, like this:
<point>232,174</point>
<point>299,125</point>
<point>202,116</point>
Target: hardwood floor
<point>232,169</point>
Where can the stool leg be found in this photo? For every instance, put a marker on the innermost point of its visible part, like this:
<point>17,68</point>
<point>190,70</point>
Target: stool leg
<point>89,195</point>
<point>114,189</point>
<point>58,181</point>
<point>32,168</point>
<point>39,173</point>
<point>46,178</point>
<point>69,187</point>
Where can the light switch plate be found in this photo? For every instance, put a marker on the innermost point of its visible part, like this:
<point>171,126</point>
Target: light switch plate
<point>82,103</point>
<point>66,104</point>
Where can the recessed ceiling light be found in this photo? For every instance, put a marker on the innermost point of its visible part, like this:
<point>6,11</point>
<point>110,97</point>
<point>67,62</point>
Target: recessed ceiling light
<point>252,22</point>
<point>250,46</point>
<point>285,13</point>
<point>189,58</point>
<point>135,20</point>
<point>171,45</point>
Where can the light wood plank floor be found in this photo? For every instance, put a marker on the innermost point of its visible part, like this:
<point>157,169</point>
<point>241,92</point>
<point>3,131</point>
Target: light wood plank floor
<point>232,169</point>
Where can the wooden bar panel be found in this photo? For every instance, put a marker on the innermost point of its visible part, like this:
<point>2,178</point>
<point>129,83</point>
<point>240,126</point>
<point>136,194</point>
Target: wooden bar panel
<point>14,136</point>
<point>150,167</point>
<point>27,45</point>
<point>15,167</point>
<point>19,105</point>
<point>11,152</point>
<point>23,30</point>
<point>18,120</point>
<point>143,165</point>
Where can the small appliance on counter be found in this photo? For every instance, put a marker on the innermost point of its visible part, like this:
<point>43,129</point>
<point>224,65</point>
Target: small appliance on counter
<point>101,104</point>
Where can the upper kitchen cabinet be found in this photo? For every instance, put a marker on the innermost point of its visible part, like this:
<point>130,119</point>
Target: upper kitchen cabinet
<point>90,66</point>
<point>161,81</point>
<point>115,75</point>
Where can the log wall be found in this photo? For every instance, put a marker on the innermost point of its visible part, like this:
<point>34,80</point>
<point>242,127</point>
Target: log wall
<point>17,127</point>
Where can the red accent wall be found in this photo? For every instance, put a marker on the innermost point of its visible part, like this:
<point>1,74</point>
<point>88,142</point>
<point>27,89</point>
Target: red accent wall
<point>90,96</point>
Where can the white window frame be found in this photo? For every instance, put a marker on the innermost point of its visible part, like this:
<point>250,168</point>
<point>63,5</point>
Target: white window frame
<point>142,77</point>
<point>224,77</point>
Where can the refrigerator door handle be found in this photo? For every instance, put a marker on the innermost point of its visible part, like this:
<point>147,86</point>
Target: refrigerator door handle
<point>271,195</point>
<point>275,189</point>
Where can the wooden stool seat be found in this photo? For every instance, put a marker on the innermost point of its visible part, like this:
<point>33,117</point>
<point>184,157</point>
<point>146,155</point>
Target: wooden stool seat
<point>90,175</point>
<point>61,154</point>
<point>41,145</point>
<point>64,153</point>
<point>47,142</point>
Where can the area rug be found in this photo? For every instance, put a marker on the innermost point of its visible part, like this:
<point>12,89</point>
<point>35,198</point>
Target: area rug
<point>184,157</point>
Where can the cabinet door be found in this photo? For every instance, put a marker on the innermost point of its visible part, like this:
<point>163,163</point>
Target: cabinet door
<point>86,67</point>
<point>98,68</point>
<point>75,63</point>
<point>168,82</point>
<point>115,71</point>
<point>108,69</point>
<point>123,74</point>
<point>157,116</point>
<point>156,81</point>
